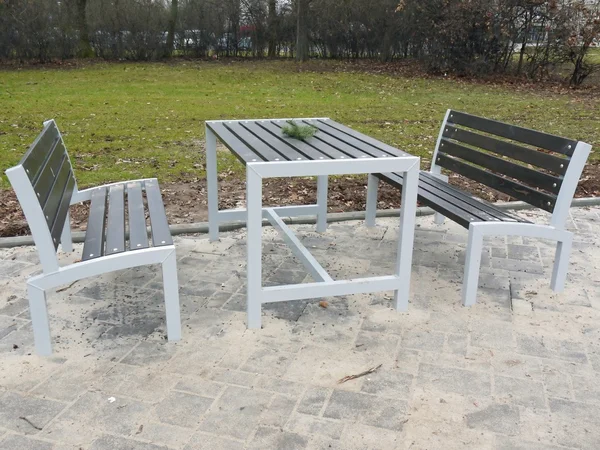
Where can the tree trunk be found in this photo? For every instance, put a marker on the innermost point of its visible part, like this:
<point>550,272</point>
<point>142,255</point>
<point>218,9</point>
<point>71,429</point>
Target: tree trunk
<point>85,49</point>
<point>302,31</point>
<point>171,30</point>
<point>272,28</point>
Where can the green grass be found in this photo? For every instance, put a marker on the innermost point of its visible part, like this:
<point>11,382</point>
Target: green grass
<point>123,121</point>
<point>594,55</point>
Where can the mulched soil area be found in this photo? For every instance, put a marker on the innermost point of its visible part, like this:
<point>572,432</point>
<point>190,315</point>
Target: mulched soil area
<point>187,202</point>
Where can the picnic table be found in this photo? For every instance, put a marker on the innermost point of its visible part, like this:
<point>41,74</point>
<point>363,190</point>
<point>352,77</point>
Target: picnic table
<point>334,150</point>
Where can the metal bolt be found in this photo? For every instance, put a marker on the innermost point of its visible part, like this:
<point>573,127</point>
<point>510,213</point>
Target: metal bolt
<point>139,245</point>
<point>276,159</point>
<point>298,159</point>
<point>561,166</point>
<point>27,170</point>
<point>320,157</point>
<point>91,254</point>
<point>115,249</point>
<point>341,157</point>
<point>254,160</point>
<point>442,144</point>
<point>554,184</point>
<point>569,146</point>
<point>548,203</point>
<point>363,156</point>
<point>163,242</point>
<point>451,115</point>
<point>38,194</point>
<point>446,129</point>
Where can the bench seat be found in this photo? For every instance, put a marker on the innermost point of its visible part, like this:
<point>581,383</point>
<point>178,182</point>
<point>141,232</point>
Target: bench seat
<point>452,202</point>
<point>107,233</point>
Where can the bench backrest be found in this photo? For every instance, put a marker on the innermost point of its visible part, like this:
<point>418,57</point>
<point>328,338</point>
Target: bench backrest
<point>44,183</point>
<point>538,168</point>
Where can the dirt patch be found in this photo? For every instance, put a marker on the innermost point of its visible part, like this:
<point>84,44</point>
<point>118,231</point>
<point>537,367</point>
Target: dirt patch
<point>187,202</point>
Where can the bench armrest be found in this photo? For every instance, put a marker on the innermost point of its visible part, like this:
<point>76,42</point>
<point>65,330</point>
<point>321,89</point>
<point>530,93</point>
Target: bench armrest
<point>86,194</point>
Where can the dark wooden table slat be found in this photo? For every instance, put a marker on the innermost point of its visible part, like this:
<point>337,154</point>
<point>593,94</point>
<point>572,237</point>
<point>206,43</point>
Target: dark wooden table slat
<point>320,146</point>
<point>254,143</point>
<point>392,151</point>
<point>33,160</point>
<point>63,210</point>
<point>288,151</point>
<point>361,146</point>
<point>56,192</point>
<point>308,151</point>
<point>237,147</point>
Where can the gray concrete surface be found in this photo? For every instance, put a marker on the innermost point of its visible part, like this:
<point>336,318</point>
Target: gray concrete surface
<point>519,370</point>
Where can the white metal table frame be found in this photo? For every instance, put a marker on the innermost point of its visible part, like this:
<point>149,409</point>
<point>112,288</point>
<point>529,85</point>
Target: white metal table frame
<point>325,285</point>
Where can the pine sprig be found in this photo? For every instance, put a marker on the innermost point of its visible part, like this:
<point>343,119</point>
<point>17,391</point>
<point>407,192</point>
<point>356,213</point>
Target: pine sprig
<point>300,132</point>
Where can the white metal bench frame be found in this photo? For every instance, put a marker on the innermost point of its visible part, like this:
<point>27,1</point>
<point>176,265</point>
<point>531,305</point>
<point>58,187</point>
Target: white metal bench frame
<point>54,275</point>
<point>554,230</point>
<point>254,214</point>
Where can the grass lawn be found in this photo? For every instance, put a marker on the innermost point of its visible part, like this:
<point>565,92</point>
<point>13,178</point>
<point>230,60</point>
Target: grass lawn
<point>126,120</point>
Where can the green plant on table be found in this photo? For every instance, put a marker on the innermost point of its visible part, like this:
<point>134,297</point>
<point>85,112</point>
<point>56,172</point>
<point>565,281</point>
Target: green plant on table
<point>296,131</point>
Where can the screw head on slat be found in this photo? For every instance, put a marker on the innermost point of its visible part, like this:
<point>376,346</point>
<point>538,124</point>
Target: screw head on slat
<point>276,159</point>
<point>115,249</point>
<point>38,194</point>
<point>298,159</point>
<point>341,157</point>
<point>320,157</point>
<point>139,245</point>
<point>554,184</point>
<point>548,203</point>
<point>254,160</point>
<point>163,242</point>
<point>446,129</point>
<point>569,146</point>
<point>561,166</point>
<point>91,254</point>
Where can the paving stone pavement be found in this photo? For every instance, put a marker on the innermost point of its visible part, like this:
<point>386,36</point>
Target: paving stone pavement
<point>518,370</point>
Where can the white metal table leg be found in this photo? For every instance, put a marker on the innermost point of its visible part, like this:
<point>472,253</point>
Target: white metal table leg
<point>406,237</point>
<point>371,210</point>
<point>561,264</point>
<point>66,241</point>
<point>38,311</point>
<point>472,264</point>
<point>322,203</point>
<point>171,292</point>
<point>254,242</point>
<point>212,185</point>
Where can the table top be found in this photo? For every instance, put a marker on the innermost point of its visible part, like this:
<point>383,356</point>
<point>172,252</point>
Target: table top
<point>263,141</point>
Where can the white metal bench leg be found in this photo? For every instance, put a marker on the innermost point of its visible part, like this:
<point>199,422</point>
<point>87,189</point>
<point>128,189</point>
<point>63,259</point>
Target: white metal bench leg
<point>66,241</point>
<point>254,262</point>
<point>371,212</point>
<point>406,238</point>
<point>561,263</point>
<point>472,264</point>
<point>322,182</point>
<point>171,292</point>
<point>212,185</point>
<point>438,218</point>
<point>38,311</point>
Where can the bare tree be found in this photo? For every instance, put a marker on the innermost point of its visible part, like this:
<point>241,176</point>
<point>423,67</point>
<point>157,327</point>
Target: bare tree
<point>302,30</point>
<point>172,26</point>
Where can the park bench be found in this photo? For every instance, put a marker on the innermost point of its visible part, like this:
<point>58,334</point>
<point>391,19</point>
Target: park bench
<point>538,168</point>
<point>45,186</point>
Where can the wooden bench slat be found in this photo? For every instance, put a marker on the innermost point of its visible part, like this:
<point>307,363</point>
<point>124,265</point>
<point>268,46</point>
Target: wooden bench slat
<point>543,160</point>
<point>93,246</point>
<point>45,179</point>
<point>237,147</point>
<point>63,210</point>
<point>288,151</point>
<point>252,141</point>
<point>464,197</point>
<point>138,233</point>
<point>35,157</point>
<point>158,217</point>
<point>300,146</point>
<point>449,209</point>
<point>57,191</point>
<point>525,135</point>
<point>392,151</point>
<point>509,187</point>
<point>320,146</point>
<point>532,177</point>
<point>115,226</point>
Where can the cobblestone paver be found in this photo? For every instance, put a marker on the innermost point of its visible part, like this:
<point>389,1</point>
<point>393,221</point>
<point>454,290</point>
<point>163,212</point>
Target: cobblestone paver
<point>519,370</point>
